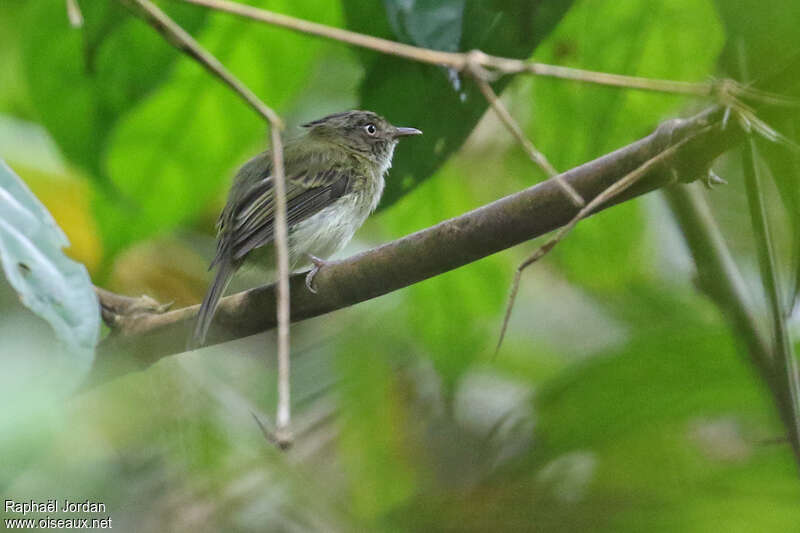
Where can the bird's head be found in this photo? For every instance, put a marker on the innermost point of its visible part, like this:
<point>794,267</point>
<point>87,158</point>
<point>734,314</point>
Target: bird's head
<point>362,132</point>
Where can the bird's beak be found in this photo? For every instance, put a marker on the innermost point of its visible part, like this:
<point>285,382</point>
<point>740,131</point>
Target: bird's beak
<point>404,132</point>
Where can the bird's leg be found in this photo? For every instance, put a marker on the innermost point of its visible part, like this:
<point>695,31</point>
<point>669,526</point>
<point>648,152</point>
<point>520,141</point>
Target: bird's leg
<point>318,264</point>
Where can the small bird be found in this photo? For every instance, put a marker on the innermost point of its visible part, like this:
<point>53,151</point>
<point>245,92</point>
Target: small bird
<point>334,180</point>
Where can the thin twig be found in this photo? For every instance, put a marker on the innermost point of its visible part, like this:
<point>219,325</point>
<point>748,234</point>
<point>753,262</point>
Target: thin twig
<point>74,14</point>
<point>513,127</point>
<point>606,195</point>
<point>180,39</point>
<point>283,418</point>
<point>457,61</point>
<point>271,436</point>
<point>784,364</point>
<point>502,65</point>
<point>794,290</point>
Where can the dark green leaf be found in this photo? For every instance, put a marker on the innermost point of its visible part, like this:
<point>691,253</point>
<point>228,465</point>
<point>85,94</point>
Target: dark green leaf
<point>440,102</point>
<point>433,24</point>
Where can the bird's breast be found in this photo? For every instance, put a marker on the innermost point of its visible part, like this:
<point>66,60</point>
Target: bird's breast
<point>328,231</point>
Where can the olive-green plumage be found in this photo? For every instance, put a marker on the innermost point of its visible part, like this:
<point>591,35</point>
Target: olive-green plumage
<point>334,180</point>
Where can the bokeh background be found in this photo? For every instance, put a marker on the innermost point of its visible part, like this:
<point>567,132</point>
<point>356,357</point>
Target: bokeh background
<point>621,399</point>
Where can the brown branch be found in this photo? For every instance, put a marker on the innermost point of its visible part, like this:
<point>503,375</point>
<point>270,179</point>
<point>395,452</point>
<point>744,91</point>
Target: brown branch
<point>180,39</point>
<point>141,340</point>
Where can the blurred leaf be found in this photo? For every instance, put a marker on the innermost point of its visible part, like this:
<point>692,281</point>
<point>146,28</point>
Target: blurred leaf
<point>378,461</point>
<point>762,44</point>
<point>51,285</point>
<point>677,424</point>
<point>441,103</point>
<point>574,123</point>
<point>82,80</point>
<point>762,29</point>
<point>185,139</point>
<point>13,93</point>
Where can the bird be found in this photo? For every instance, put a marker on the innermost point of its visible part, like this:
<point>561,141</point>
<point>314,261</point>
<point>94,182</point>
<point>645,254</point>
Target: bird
<point>335,175</point>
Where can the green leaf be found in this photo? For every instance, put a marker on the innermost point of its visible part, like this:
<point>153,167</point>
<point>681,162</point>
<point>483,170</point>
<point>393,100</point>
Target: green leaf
<point>82,80</point>
<point>574,123</point>
<point>441,103</point>
<point>170,154</point>
<point>50,284</point>
<point>762,43</point>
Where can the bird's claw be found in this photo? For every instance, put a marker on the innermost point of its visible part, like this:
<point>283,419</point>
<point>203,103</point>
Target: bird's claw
<point>712,179</point>
<point>318,264</point>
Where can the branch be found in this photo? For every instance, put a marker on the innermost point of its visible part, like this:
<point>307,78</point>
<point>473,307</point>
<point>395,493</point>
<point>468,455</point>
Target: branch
<point>455,60</point>
<point>141,340</point>
<point>479,75</point>
<point>514,128</point>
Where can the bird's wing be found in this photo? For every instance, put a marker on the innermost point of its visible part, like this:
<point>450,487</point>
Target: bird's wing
<point>248,223</point>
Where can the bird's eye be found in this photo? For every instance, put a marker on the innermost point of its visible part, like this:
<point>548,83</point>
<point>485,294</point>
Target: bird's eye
<point>370,129</point>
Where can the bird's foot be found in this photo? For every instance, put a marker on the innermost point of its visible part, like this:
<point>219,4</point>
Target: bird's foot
<point>318,264</point>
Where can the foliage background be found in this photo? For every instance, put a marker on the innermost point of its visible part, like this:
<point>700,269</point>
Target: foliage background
<point>621,400</point>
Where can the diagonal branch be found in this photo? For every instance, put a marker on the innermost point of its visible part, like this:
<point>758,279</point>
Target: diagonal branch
<point>514,128</point>
<point>511,124</point>
<point>141,340</point>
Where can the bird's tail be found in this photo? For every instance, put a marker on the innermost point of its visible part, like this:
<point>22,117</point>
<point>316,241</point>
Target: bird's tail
<point>225,271</point>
